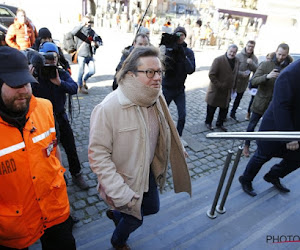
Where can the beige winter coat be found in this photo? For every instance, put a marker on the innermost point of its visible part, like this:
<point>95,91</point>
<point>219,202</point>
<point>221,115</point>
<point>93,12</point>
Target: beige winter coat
<point>119,151</point>
<point>222,81</point>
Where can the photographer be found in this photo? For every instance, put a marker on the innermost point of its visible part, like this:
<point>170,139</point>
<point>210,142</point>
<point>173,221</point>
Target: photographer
<point>53,85</point>
<point>87,41</point>
<point>44,35</point>
<point>179,62</point>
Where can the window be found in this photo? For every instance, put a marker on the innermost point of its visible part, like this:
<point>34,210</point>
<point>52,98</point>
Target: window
<point>5,13</point>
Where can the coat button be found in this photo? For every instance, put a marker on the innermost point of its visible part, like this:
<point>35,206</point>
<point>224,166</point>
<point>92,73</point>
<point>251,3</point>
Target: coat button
<point>17,211</point>
<point>33,177</point>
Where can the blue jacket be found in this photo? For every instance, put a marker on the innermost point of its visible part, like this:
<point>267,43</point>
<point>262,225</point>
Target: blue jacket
<point>179,62</point>
<point>56,94</point>
<point>283,113</point>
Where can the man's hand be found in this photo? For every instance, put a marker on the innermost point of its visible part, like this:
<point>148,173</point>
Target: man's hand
<point>186,155</point>
<point>56,80</point>
<point>273,74</point>
<point>246,73</point>
<point>31,68</point>
<point>249,60</point>
<point>293,145</point>
<point>133,201</point>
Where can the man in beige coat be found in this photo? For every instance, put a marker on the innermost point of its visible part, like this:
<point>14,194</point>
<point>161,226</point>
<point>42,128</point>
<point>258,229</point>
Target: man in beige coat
<point>132,137</point>
<point>222,75</point>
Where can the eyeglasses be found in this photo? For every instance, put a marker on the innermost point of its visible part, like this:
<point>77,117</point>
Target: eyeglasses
<point>151,73</point>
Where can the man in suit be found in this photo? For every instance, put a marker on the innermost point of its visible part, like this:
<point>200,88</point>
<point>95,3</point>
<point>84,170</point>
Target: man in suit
<point>222,74</point>
<point>283,114</point>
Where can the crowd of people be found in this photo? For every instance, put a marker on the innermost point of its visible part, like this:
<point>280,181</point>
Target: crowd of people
<point>132,134</point>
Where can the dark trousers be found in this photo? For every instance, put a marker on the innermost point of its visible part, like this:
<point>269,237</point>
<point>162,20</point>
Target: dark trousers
<point>58,237</point>
<point>250,103</point>
<point>68,142</point>
<point>178,96</point>
<point>236,103</point>
<point>279,170</point>
<point>128,223</point>
<point>254,119</point>
<point>210,112</point>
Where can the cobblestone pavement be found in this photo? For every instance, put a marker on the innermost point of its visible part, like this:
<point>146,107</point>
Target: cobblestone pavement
<point>205,156</point>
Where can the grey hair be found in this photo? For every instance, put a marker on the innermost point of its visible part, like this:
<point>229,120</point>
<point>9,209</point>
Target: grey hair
<point>133,60</point>
<point>142,35</point>
<point>233,46</point>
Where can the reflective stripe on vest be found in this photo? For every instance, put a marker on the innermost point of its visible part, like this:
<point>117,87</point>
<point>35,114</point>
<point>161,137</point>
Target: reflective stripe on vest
<point>20,145</point>
<point>43,135</point>
<point>11,149</point>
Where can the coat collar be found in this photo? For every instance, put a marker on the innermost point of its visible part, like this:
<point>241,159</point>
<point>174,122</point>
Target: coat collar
<point>123,100</point>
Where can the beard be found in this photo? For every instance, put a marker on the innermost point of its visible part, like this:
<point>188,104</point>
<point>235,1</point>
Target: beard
<point>17,104</point>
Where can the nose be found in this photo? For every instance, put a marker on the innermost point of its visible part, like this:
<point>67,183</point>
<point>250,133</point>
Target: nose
<point>157,75</point>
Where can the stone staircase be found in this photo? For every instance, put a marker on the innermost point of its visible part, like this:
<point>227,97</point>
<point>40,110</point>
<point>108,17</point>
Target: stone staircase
<point>249,223</point>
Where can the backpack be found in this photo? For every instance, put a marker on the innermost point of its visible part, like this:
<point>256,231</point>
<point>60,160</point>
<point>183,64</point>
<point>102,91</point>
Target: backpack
<point>69,44</point>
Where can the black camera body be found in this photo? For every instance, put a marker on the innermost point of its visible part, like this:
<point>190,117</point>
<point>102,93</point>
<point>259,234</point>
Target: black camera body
<point>48,71</point>
<point>41,69</point>
<point>48,55</point>
<point>169,40</point>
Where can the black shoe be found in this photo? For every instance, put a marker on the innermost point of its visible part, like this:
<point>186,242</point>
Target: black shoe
<point>276,182</point>
<point>247,186</point>
<point>234,118</point>
<point>110,215</point>
<point>209,126</point>
<point>79,181</point>
<point>122,247</point>
<point>222,128</point>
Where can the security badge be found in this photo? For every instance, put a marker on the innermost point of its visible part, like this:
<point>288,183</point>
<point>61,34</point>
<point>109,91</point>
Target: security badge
<point>49,149</point>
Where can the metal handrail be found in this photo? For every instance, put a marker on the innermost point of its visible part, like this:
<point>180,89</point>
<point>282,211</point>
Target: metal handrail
<point>262,136</point>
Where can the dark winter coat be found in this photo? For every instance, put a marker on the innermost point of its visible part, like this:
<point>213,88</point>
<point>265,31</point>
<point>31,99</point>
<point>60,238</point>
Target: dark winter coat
<point>265,86</point>
<point>56,94</point>
<point>283,113</point>
<point>179,63</point>
<point>222,81</point>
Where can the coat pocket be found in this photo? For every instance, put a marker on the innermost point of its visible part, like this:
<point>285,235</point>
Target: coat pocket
<point>58,197</point>
<point>12,224</point>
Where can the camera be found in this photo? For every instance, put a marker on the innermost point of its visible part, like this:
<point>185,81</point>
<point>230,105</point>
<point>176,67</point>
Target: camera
<point>169,40</point>
<point>48,55</point>
<point>48,71</point>
<point>41,69</point>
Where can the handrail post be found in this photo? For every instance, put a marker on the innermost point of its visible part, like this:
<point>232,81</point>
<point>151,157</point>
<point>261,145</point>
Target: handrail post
<point>211,213</point>
<point>220,209</point>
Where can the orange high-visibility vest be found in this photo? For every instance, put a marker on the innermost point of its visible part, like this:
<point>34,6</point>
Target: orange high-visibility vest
<point>33,193</point>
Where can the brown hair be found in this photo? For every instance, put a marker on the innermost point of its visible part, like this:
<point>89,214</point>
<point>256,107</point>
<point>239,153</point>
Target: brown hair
<point>21,10</point>
<point>252,42</point>
<point>133,60</point>
<point>284,46</point>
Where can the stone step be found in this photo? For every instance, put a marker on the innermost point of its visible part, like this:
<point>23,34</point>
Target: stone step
<point>182,222</point>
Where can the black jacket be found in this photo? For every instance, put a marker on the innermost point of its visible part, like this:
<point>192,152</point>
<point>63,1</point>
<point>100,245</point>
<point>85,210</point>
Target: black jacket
<point>179,62</point>
<point>283,113</point>
<point>56,94</point>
